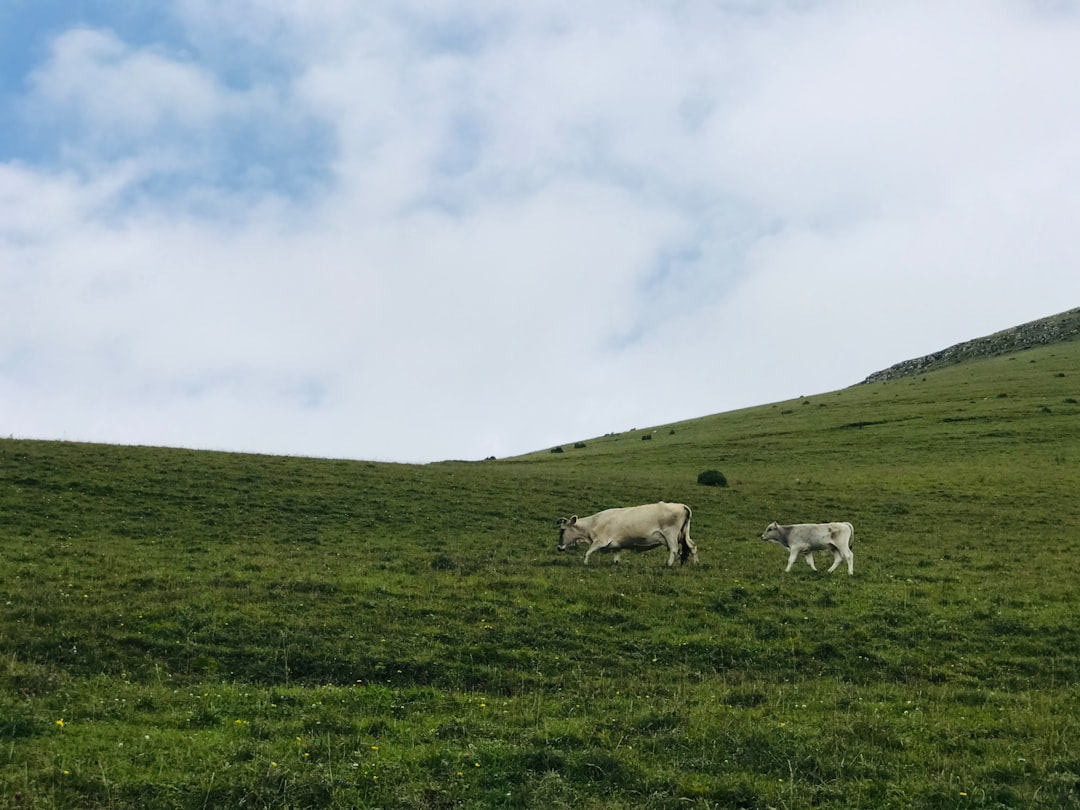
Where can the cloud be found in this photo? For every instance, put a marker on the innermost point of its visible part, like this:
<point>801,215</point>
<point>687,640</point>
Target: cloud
<point>113,90</point>
<point>177,129</point>
<point>914,104</point>
<point>410,232</point>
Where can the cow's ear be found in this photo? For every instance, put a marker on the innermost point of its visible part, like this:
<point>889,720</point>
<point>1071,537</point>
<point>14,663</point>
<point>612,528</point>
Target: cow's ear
<point>573,519</point>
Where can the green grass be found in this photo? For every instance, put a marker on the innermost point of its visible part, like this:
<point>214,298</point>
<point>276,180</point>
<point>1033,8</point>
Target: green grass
<point>221,630</point>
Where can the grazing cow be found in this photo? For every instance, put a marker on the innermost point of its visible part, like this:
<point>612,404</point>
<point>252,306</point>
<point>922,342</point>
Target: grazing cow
<point>806,538</point>
<point>637,528</point>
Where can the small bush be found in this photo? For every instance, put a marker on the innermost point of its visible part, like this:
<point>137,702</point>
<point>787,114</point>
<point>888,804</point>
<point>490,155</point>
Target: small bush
<point>712,478</point>
<point>442,563</point>
<point>579,445</point>
<point>557,449</point>
<point>647,437</point>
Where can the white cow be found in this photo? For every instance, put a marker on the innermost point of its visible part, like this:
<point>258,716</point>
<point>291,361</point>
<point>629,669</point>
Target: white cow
<point>806,538</point>
<point>637,528</point>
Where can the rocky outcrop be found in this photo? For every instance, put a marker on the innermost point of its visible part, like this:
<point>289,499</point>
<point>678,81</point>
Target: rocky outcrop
<point>1055,329</point>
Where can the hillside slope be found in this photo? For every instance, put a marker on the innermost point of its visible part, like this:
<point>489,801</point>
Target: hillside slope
<point>187,629</point>
<point>1043,332</point>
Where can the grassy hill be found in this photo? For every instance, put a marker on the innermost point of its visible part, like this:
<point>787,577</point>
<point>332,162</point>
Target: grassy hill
<point>191,629</point>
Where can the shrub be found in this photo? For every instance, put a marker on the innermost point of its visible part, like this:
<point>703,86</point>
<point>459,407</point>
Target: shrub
<point>712,478</point>
<point>442,563</point>
<point>579,445</point>
<point>557,449</point>
<point>647,437</point>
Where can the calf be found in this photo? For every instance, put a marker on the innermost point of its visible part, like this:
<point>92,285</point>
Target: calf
<point>806,538</point>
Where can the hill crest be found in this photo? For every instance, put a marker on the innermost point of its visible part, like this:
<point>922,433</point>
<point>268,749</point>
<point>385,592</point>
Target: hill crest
<point>1058,328</point>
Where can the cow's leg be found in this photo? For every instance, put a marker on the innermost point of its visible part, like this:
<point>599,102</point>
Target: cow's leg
<point>850,556</point>
<point>810,560</point>
<point>687,547</point>
<point>659,538</point>
<point>792,557</point>
<point>691,549</point>
<point>599,545</point>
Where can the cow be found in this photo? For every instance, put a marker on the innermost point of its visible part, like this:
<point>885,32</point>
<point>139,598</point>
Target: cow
<point>806,538</point>
<point>637,528</point>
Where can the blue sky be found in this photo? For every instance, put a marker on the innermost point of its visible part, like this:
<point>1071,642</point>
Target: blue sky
<point>28,29</point>
<point>412,231</point>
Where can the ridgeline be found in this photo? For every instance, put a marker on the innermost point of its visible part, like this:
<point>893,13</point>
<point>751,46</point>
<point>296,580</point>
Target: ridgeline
<point>1043,332</point>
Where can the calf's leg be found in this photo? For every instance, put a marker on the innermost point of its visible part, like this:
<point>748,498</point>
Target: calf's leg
<point>837,557</point>
<point>843,553</point>
<point>792,557</point>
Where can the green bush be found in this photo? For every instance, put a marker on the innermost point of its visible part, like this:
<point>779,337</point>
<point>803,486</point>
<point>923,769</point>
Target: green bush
<point>712,478</point>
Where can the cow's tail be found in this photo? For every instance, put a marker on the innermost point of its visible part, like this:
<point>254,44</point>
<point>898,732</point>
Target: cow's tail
<point>851,536</point>
<point>686,545</point>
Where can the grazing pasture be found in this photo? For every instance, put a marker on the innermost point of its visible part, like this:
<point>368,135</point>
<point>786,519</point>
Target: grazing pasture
<point>190,629</point>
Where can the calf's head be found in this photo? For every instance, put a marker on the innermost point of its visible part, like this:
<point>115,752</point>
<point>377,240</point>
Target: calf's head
<point>570,534</point>
<point>774,534</point>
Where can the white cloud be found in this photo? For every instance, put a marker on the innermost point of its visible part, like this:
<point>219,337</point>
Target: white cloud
<point>171,125</point>
<point>114,91</point>
<point>406,231</point>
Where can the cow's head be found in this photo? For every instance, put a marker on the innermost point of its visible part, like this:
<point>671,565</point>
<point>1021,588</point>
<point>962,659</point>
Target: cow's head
<point>774,534</point>
<point>570,534</point>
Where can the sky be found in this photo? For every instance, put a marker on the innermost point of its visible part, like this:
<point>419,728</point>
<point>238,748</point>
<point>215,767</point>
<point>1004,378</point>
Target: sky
<point>417,230</point>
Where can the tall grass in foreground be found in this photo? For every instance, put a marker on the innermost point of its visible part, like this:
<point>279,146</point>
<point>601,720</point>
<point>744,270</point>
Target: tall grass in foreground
<point>188,630</point>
